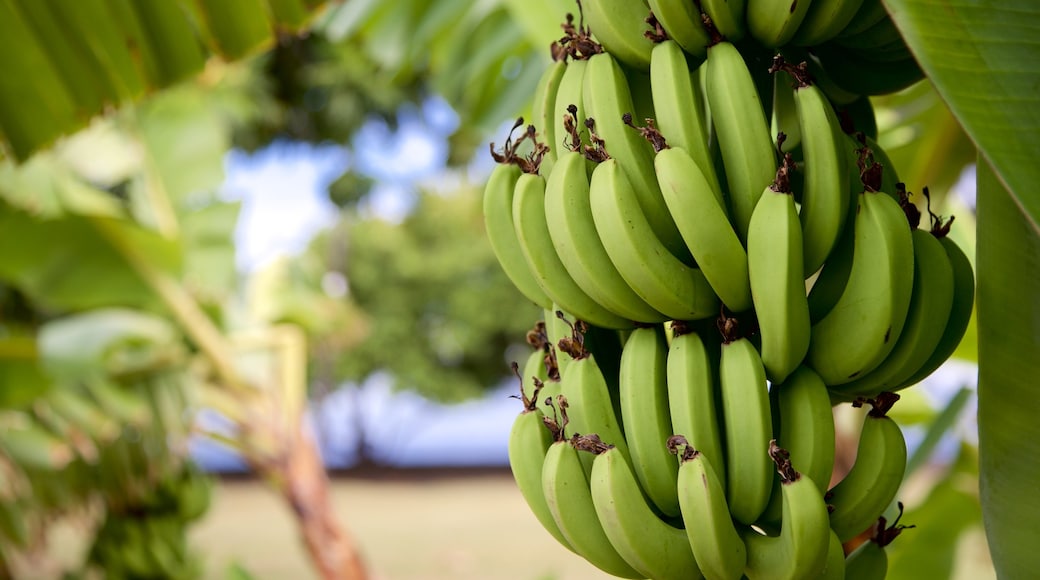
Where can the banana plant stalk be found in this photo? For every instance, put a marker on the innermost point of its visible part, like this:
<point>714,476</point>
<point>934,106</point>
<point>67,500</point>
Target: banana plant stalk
<point>290,460</point>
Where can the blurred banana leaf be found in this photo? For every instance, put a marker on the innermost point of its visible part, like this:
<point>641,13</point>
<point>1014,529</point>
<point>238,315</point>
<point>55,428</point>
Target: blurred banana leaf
<point>108,342</point>
<point>65,265</point>
<point>66,63</point>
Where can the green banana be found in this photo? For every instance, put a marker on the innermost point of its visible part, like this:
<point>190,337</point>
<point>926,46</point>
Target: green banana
<point>742,131</point>
<point>529,440</point>
<point>568,213</point>
<point>864,325</point>
<point>785,115</point>
<point>834,569</point>
<point>774,258</point>
<point>869,561</point>
<point>747,425</point>
<point>835,92</point>
<point>800,550</point>
<point>643,382</point>
<point>868,160</point>
<point>714,539</point>
<point>859,117</point>
<point>656,275</point>
<point>931,301</point>
<point>589,405</point>
<point>881,34</point>
<point>870,13</point>
<point>620,26</point>
<point>857,74</point>
<point>704,224</point>
<point>608,102</point>
<point>825,203</point>
<point>825,20</point>
<point>498,223</point>
<point>679,114</point>
<point>543,111</point>
<point>565,485</point>
<point>532,231</point>
<point>875,477</point>
<point>804,425</point>
<point>692,368</point>
<point>682,22</point>
<point>773,23</point>
<point>568,95</point>
<point>556,327</point>
<point>649,544</point>
<point>728,17</point>
<point>960,312</point>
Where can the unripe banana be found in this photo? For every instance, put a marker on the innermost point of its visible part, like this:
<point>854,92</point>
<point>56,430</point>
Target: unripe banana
<point>960,312</point>
<point>620,26</point>
<point>589,402</point>
<point>773,23</point>
<point>543,111</point>
<point>565,485</point>
<point>679,113</point>
<point>498,223</point>
<point>656,275</point>
<point>869,13</point>
<point>800,549</point>
<point>864,325</point>
<point>825,203</point>
<point>805,427</point>
<point>682,21</point>
<point>931,301</point>
<point>643,380</point>
<point>648,543</point>
<point>742,131</point>
<point>883,33</point>
<point>785,115</point>
<point>703,221</point>
<point>529,439</point>
<point>532,231</point>
<point>748,428</point>
<point>716,544</point>
<point>568,213</point>
<point>692,380</point>
<point>834,569</point>
<point>608,101</point>
<point>856,73</point>
<point>825,20</point>
<point>775,267</point>
<point>568,95</point>
<point>872,482</point>
<point>727,16</point>
<point>869,561</point>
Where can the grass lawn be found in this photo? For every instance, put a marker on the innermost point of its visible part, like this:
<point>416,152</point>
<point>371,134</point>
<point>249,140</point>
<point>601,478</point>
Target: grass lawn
<point>423,526</point>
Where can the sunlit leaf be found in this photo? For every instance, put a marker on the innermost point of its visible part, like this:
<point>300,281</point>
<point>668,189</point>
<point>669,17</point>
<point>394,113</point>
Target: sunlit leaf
<point>984,59</point>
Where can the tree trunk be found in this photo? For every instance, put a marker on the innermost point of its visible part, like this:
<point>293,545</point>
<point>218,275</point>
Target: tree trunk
<point>305,485</point>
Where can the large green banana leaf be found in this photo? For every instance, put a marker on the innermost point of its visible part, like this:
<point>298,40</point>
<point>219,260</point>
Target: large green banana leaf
<point>66,62</point>
<point>984,60</point>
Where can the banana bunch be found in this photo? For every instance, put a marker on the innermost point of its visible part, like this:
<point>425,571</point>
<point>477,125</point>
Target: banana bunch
<point>677,459</point>
<point>723,253</point>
